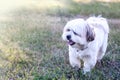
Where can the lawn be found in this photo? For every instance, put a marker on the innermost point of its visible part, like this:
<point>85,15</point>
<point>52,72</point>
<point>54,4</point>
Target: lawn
<point>31,47</point>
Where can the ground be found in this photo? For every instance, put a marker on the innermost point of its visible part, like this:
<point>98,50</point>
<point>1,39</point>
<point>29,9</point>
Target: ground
<point>31,47</point>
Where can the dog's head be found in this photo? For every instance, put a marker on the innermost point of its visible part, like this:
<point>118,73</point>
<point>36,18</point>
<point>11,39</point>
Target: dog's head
<point>77,33</point>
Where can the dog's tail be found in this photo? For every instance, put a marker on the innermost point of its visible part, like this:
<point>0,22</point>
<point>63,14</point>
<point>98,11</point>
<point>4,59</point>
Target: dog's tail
<point>100,21</point>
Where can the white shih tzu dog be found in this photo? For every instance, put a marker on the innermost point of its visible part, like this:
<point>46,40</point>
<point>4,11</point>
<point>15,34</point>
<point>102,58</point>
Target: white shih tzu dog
<point>87,41</point>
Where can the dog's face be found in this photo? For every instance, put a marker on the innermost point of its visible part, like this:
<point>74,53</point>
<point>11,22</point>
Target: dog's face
<point>77,33</point>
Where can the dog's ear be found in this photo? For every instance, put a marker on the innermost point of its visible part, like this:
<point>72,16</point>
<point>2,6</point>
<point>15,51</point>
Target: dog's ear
<point>90,34</point>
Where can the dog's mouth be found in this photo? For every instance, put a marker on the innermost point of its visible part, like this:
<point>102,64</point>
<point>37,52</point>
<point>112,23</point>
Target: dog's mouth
<point>70,42</point>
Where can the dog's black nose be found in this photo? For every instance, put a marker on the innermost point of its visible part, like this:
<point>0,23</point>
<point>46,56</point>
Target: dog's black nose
<point>68,37</point>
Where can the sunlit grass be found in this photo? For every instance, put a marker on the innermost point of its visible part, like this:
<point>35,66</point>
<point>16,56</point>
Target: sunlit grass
<point>62,7</point>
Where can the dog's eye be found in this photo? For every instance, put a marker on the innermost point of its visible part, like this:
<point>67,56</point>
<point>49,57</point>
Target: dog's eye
<point>75,33</point>
<point>68,30</point>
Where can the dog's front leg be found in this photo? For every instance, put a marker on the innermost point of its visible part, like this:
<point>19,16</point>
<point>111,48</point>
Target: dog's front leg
<point>74,59</point>
<point>89,63</point>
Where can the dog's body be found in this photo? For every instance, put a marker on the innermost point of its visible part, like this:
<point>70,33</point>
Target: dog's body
<point>87,41</point>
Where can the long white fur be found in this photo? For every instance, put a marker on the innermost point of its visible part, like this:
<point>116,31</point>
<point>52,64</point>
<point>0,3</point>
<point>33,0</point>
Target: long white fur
<point>95,49</point>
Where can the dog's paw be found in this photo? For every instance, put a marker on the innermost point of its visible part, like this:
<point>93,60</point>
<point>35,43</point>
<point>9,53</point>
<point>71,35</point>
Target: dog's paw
<point>76,68</point>
<point>87,74</point>
<point>86,70</point>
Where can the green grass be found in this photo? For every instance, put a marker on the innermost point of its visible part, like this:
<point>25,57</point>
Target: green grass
<point>110,10</point>
<point>31,47</point>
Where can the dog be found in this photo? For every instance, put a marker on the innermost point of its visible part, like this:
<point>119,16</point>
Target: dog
<point>87,41</point>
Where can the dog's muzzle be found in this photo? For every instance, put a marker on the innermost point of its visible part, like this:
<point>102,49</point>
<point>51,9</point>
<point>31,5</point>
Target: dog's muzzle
<point>70,42</point>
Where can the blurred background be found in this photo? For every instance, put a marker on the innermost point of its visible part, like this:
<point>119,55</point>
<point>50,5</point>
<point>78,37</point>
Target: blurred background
<point>31,47</point>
